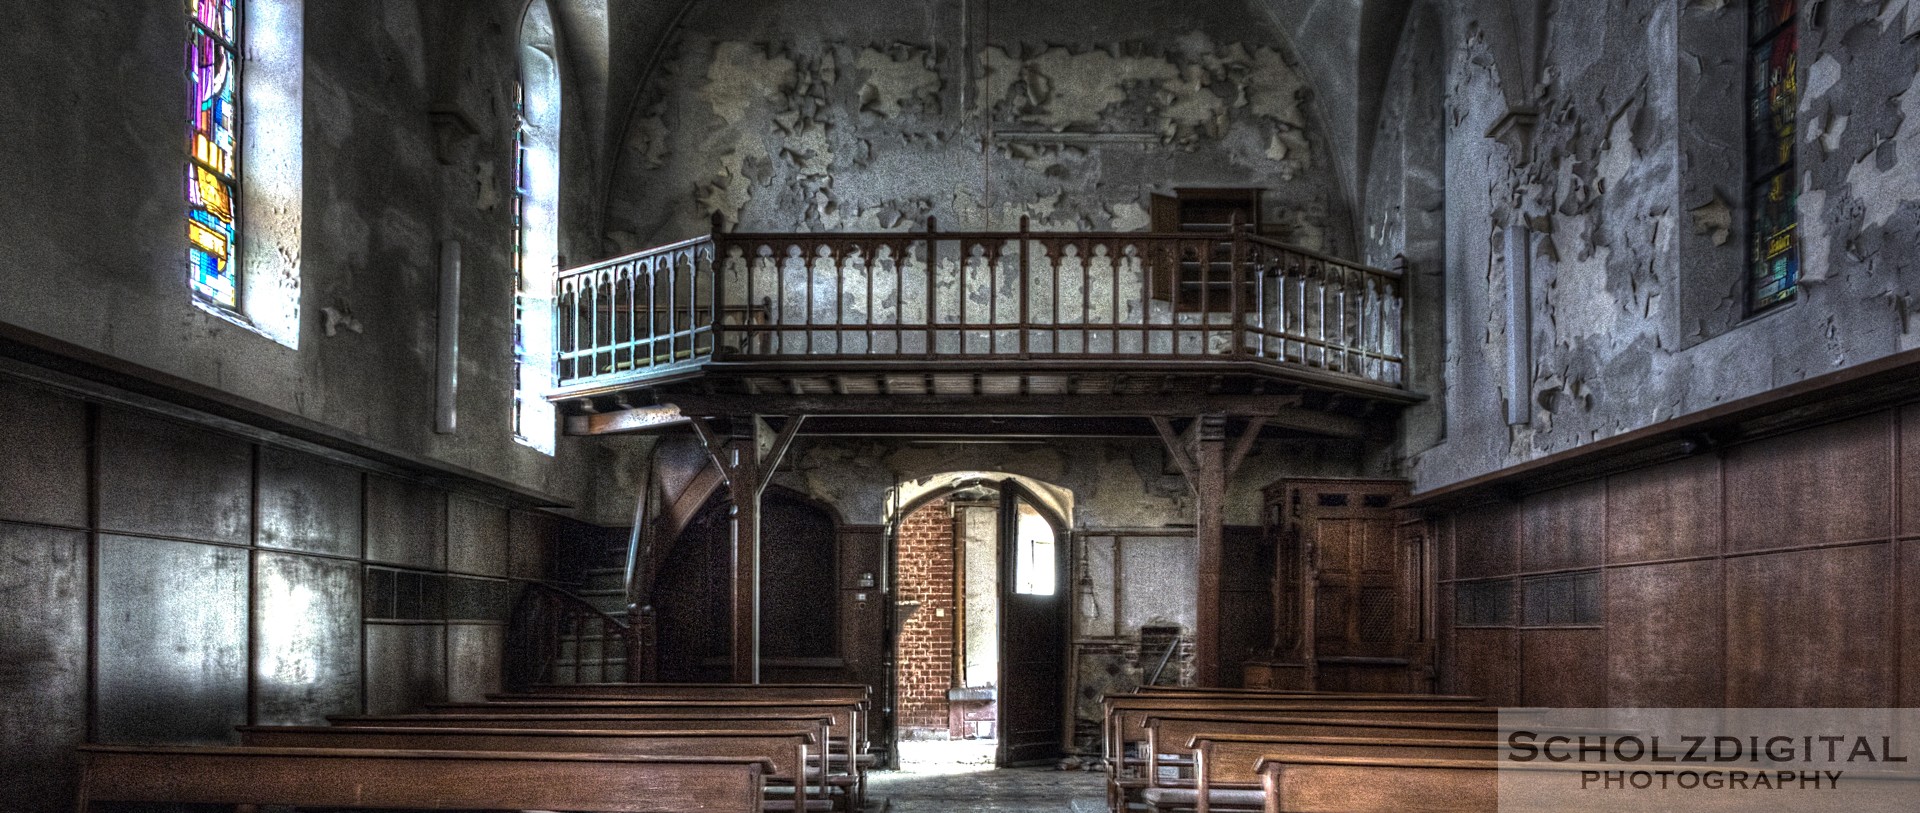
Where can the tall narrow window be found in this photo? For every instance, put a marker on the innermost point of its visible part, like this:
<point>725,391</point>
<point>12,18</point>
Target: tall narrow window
<point>1773,93</point>
<point>536,254</point>
<point>213,148</point>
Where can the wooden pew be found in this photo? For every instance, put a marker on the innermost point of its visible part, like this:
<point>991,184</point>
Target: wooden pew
<point>1374,785</point>
<point>858,694</point>
<point>1125,724</point>
<point>419,780</point>
<point>834,773</point>
<point>819,724</point>
<point>1225,765</point>
<point>846,727</point>
<point>786,749</point>
<point>707,691</point>
<point>1123,714</point>
<point>1173,731</point>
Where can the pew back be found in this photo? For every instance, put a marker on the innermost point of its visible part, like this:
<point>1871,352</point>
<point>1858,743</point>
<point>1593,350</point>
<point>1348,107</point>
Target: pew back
<point>421,780</point>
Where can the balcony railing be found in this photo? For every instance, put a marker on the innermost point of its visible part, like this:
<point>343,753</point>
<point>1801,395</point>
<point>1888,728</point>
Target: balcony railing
<point>939,296</point>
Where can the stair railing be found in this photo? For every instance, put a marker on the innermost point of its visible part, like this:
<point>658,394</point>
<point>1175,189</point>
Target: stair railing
<point>558,637</point>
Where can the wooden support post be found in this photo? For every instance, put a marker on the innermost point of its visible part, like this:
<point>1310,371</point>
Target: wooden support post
<point>1203,456</point>
<point>747,456</point>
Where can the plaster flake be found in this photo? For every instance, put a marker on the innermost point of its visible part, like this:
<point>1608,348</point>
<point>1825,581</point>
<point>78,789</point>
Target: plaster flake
<point>744,74</point>
<point>649,142</point>
<point>729,192</point>
<point>1190,109</point>
<point>1065,89</point>
<point>1821,78</point>
<point>809,153</point>
<point>1816,239</point>
<point>892,84</point>
<point>1881,192</point>
<point>1713,218</point>
<point>1832,127</point>
<point>1128,216</point>
<point>1273,88</point>
<point>1902,16</point>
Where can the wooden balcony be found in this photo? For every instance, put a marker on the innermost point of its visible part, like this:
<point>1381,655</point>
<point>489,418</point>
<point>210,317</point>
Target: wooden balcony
<point>1020,325</point>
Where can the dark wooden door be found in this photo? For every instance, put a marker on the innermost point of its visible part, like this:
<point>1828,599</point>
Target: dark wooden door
<point>1033,630</point>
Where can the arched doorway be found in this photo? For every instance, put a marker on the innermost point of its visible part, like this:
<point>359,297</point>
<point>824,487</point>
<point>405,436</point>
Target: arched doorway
<point>979,636</point>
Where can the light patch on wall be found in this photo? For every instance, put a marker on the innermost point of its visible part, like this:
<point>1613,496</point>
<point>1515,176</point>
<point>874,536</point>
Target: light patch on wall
<point>1882,190</point>
<point>288,636</point>
<point>1272,88</point>
<point>743,74</point>
<point>892,83</point>
<point>1578,304</point>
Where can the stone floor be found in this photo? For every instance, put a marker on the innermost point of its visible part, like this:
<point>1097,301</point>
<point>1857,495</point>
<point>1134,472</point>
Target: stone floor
<point>959,777</point>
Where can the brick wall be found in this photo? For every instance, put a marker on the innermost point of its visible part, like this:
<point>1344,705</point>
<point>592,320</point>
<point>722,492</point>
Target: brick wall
<point>927,636</point>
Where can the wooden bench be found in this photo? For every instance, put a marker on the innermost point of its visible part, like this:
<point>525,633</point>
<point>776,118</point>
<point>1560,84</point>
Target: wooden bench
<point>817,723</point>
<point>1375,785</point>
<point>858,694</point>
<point>1126,729</point>
<point>1226,771</point>
<point>1204,700</point>
<point>1124,714</point>
<point>839,767</point>
<point>785,749</point>
<point>418,780</point>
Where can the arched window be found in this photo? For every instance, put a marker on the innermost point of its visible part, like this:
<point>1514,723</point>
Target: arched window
<point>244,66</point>
<point>536,221</point>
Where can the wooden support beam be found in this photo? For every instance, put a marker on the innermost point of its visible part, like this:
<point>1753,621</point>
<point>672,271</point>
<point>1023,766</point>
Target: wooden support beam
<point>747,456</point>
<point>1202,454</point>
<point>1279,411</point>
<point>632,419</point>
<point>1209,480</point>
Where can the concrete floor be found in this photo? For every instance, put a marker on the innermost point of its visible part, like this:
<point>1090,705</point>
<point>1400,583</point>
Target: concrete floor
<point>959,777</point>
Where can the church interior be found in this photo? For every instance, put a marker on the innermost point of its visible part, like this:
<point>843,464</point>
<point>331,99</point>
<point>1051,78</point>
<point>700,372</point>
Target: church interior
<point>928,375</point>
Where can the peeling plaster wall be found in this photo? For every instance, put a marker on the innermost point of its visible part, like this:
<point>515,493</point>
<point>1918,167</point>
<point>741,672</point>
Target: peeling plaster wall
<point>1637,288</point>
<point>855,116</point>
<point>98,254</point>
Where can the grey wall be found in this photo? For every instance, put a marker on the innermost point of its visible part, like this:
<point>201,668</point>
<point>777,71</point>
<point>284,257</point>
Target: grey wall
<point>1637,290</point>
<point>166,581</point>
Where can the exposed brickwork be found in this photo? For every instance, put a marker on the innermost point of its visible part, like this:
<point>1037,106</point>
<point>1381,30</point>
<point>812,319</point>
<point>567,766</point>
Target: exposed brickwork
<point>927,637</point>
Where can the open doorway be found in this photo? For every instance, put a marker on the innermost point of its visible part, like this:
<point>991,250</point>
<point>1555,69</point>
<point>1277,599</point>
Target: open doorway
<point>979,629</point>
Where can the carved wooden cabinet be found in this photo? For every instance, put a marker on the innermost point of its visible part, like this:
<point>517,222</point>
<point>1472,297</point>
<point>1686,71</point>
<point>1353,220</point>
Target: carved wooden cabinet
<point>1352,608</point>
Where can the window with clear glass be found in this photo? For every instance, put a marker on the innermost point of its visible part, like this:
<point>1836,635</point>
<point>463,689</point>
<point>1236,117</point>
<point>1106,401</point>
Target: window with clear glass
<point>535,212</point>
<point>1035,565</point>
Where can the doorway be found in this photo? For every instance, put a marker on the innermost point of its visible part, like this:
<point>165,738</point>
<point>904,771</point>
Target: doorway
<point>979,630</point>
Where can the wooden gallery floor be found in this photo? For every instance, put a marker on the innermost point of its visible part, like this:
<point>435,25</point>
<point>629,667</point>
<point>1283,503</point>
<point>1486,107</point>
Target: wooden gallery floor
<point>958,777</point>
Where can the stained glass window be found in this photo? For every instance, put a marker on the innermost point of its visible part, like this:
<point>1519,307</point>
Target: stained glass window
<point>1773,93</point>
<point>213,68</point>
